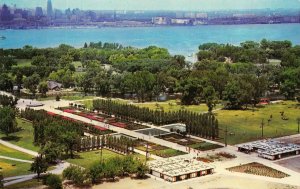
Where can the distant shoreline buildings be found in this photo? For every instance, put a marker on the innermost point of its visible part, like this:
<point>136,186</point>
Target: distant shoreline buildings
<point>12,17</point>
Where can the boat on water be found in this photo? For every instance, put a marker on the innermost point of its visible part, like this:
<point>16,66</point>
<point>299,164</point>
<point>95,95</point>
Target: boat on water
<point>2,37</point>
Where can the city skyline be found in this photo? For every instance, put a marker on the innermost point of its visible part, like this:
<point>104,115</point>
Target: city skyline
<point>186,5</point>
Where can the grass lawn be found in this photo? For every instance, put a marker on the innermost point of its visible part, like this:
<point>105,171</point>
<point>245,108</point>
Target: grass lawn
<point>23,138</point>
<point>77,97</point>
<point>23,62</point>
<point>244,125</point>
<point>169,152</point>
<point>9,152</point>
<point>34,183</point>
<point>86,159</point>
<point>172,105</point>
<point>204,146</point>
<point>14,168</point>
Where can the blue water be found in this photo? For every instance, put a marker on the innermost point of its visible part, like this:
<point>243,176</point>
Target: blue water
<point>179,40</point>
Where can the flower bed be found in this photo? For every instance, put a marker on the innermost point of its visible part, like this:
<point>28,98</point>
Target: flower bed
<point>258,169</point>
<point>119,124</point>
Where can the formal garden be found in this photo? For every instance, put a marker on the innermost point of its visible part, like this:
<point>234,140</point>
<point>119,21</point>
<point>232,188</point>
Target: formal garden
<point>102,117</point>
<point>258,169</point>
<point>189,142</point>
<point>156,149</point>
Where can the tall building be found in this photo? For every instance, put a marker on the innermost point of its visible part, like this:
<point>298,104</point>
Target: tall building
<point>5,14</point>
<point>49,9</point>
<point>38,12</point>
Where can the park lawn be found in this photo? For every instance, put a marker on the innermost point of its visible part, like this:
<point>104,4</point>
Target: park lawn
<point>9,152</point>
<point>204,146</point>
<point>23,62</point>
<point>34,183</point>
<point>23,138</point>
<point>244,125</point>
<point>14,168</point>
<point>169,152</point>
<point>172,105</point>
<point>86,159</point>
<point>77,97</point>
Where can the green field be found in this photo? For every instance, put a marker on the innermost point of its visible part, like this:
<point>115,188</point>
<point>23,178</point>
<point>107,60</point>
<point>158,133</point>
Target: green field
<point>86,159</point>
<point>244,125</point>
<point>23,62</point>
<point>23,138</point>
<point>34,183</point>
<point>173,105</point>
<point>169,152</point>
<point>14,168</point>
<point>9,152</point>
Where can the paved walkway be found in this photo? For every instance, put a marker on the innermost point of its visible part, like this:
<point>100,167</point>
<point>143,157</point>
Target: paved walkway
<point>17,179</point>
<point>30,152</point>
<point>15,159</point>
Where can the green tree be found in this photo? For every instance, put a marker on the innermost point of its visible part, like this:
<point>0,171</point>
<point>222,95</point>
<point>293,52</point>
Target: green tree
<point>8,123</point>
<point>39,165</point>
<point>209,95</point>
<point>96,171</point>
<point>53,181</point>
<point>32,82</point>
<point>142,170</point>
<point>43,88</point>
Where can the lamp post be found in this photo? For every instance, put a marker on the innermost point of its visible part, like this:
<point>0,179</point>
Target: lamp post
<point>298,124</point>
<point>262,128</point>
<point>226,132</point>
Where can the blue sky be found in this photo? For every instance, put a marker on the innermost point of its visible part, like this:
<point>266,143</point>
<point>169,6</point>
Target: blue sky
<point>159,4</point>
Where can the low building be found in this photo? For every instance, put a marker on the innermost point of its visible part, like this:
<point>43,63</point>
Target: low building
<point>53,85</point>
<point>270,149</point>
<point>179,168</point>
<point>160,20</point>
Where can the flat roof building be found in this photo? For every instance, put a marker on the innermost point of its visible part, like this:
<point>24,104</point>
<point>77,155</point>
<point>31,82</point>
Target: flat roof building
<point>179,168</point>
<point>270,149</point>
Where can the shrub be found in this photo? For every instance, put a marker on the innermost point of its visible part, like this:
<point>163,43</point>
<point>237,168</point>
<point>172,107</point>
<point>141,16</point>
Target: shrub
<point>53,181</point>
<point>76,174</point>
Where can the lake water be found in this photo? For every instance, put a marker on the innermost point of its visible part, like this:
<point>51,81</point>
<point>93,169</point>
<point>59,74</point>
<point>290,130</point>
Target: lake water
<point>179,40</point>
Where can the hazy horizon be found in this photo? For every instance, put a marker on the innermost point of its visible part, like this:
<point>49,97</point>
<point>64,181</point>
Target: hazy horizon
<point>159,5</point>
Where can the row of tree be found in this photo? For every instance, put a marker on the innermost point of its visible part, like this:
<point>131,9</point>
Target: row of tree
<point>206,123</point>
<point>108,169</point>
<point>121,144</point>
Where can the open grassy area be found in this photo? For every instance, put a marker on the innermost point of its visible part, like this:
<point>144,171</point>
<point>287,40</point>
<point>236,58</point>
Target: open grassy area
<point>169,152</point>
<point>86,159</point>
<point>204,146</point>
<point>23,62</point>
<point>14,168</point>
<point>245,125</point>
<point>9,152</point>
<point>22,138</point>
<point>173,105</point>
<point>34,183</point>
<point>77,97</point>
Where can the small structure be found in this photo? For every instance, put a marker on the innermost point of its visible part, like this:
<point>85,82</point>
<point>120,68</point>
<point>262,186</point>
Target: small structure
<point>53,85</point>
<point>264,101</point>
<point>270,149</point>
<point>179,168</point>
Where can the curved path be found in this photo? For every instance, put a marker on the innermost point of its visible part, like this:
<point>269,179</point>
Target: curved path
<point>16,159</point>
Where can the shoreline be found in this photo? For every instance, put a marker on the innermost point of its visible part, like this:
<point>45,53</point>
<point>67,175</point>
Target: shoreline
<point>136,26</point>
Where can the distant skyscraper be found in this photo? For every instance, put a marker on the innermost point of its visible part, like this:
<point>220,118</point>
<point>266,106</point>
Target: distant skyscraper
<point>38,12</point>
<point>49,9</point>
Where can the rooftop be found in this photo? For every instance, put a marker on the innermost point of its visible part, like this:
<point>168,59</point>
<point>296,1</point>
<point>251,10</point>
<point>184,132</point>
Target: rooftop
<point>270,147</point>
<point>178,166</point>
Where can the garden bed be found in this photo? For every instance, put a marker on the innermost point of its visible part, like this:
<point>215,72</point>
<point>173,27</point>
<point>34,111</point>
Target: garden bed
<point>156,149</point>
<point>258,169</point>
